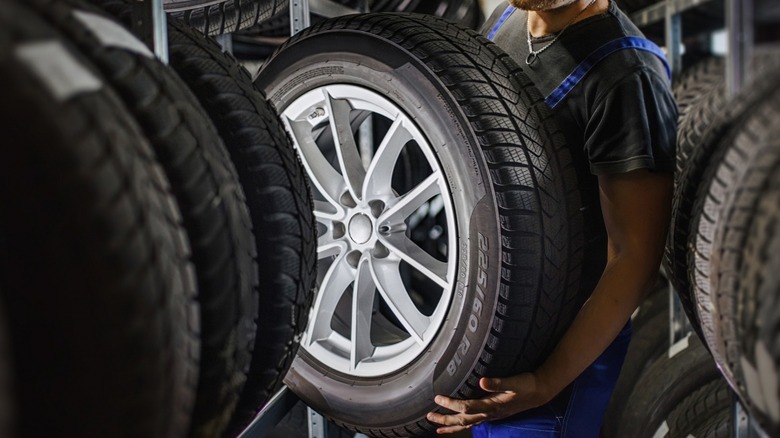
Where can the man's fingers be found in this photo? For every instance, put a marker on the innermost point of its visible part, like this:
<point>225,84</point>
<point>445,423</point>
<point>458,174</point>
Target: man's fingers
<point>451,429</point>
<point>492,385</point>
<point>462,406</point>
<point>460,420</point>
<point>452,404</point>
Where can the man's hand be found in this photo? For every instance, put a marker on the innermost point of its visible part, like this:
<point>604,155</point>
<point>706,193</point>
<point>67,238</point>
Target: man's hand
<point>508,396</point>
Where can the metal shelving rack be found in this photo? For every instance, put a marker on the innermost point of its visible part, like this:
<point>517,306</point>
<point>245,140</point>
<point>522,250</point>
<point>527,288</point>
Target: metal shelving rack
<point>150,21</point>
<point>739,23</point>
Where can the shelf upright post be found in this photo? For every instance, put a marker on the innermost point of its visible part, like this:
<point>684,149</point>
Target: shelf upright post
<point>739,21</point>
<point>150,22</point>
<point>673,30</point>
<point>300,17</point>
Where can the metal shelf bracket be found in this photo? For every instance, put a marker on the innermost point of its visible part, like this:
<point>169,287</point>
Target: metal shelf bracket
<point>150,21</point>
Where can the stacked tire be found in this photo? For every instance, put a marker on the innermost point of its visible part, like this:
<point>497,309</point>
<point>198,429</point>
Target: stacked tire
<point>719,249</point>
<point>135,299</point>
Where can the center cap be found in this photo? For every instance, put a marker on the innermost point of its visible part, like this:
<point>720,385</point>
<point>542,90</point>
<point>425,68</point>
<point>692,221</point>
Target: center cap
<point>360,228</point>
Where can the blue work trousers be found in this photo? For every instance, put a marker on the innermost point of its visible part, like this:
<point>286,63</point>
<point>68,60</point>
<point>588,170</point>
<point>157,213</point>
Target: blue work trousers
<point>575,413</point>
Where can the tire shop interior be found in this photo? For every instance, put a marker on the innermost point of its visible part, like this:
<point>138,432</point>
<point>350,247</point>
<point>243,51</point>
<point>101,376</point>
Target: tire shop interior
<point>303,218</point>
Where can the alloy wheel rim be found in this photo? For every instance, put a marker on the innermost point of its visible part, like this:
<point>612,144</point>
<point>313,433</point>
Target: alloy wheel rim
<point>367,319</point>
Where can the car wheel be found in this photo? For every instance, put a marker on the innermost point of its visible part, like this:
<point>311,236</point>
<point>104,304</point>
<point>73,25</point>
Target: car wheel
<point>449,243</point>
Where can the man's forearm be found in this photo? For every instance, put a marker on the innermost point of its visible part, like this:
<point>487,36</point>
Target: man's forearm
<point>623,286</point>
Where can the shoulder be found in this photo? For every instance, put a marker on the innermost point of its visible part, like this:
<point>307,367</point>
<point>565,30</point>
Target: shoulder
<point>494,17</point>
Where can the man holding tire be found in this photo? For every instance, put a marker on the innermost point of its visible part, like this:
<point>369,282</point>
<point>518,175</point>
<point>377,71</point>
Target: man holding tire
<point>609,89</point>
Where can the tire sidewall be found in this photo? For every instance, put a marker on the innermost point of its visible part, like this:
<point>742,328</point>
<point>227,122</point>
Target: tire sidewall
<point>365,60</point>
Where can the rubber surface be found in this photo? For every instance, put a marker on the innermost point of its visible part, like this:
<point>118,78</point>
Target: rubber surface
<point>279,202</point>
<point>739,172</point>
<point>207,191</point>
<point>693,413</point>
<point>7,386</point>
<point>700,94</point>
<point>96,273</point>
<point>664,385</point>
<point>508,133</point>
<point>226,16</point>
<point>688,185</point>
<point>757,317</point>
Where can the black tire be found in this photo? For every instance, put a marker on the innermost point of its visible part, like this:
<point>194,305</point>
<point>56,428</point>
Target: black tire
<point>719,425</point>
<point>732,114</point>
<point>700,94</point>
<point>739,172</point>
<point>279,202</point>
<point>207,191</point>
<point>664,386</point>
<point>215,17</point>
<point>465,12</point>
<point>471,94</point>
<point>649,342</point>
<point>757,317</point>
<point>296,425</point>
<point>692,415</point>
<point>95,272</point>
<point>7,386</point>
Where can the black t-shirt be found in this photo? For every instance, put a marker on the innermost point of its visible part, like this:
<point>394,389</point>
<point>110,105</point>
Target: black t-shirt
<point>620,117</point>
<point>622,114</point>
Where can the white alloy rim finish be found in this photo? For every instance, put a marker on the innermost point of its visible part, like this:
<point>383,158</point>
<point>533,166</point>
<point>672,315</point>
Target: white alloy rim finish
<point>363,231</point>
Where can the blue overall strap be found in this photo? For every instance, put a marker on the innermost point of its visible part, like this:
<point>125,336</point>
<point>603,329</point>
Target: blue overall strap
<point>500,22</point>
<point>582,70</point>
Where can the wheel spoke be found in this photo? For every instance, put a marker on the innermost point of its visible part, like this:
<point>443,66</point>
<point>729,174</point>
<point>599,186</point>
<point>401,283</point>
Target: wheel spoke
<point>387,276</point>
<point>417,258</point>
<point>362,308</point>
<point>380,173</point>
<point>346,147</point>
<point>334,284</point>
<point>323,176</point>
<point>407,204</point>
<point>331,242</point>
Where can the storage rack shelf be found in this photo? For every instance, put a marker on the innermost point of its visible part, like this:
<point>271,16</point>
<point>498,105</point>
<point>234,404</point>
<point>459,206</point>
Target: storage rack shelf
<point>738,16</point>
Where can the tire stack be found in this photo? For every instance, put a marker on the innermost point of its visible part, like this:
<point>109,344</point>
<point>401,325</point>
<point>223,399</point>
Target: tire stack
<point>260,41</point>
<point>723,204</point>
<point>157,253</point>
<point>723,231</point>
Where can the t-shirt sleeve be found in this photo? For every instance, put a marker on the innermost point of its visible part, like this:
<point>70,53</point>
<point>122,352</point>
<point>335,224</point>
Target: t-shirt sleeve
<point>633,126</point>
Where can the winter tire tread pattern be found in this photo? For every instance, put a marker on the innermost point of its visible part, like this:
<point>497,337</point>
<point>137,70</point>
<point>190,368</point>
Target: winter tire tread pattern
<point>230,15</point>
<point>279,202</point>
<point>116,255</point>
<point>213,207</point>
<point>664,385</point>
<point>689,181</point>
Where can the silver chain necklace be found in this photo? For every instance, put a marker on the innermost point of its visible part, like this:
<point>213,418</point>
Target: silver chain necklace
<point>533,55</point>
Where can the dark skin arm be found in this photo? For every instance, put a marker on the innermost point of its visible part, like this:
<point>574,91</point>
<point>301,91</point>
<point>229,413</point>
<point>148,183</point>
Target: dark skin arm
<point>637,208</point>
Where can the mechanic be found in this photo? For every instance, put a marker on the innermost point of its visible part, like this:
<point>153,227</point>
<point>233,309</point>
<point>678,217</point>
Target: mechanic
<point>609,88</point>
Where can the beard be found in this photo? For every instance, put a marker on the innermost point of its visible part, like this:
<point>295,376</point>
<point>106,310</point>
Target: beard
<point>540,5</point>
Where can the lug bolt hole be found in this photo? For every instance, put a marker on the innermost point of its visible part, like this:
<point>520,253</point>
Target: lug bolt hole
<point>347,200</point>
<point>377,207</point>
<point>339,230</point>
<point>380,251</point>
<point>353,258</point>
